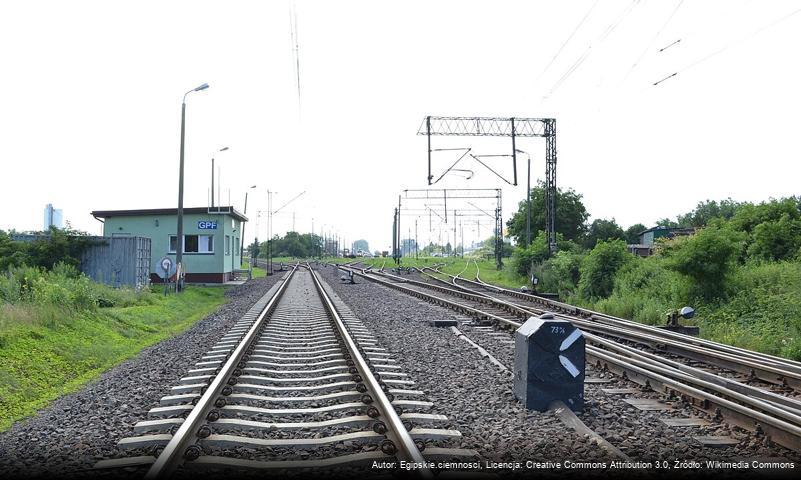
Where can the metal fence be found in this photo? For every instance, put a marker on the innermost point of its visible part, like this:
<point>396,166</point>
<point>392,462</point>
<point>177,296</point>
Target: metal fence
<point>118,261</point>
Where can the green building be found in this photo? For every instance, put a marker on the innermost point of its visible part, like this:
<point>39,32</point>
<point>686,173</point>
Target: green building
<point>647,237</point>
<point>212,238</point>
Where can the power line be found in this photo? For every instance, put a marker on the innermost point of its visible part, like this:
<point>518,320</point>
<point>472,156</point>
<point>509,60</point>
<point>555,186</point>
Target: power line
<point>293,35</point>
<point>658,33</point>
<point>669,45</point>
<point>731,44</point>
<point>583,19</point>
<point>606,33</point>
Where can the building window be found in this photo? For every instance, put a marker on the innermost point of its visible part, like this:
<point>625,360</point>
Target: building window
<point>194,243</point>
<point>227,244</point>
<point>236,246</point>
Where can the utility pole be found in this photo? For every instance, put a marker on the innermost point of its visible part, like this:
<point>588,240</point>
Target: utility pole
<point>528,205</point>
<point>242,245</point>
<point>269,232</point>
<point>416,245</point>
<point>461,236</point>
<point>395,235</point>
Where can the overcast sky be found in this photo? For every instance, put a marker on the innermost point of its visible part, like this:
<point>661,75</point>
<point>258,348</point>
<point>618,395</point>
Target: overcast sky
<point>90,97</point>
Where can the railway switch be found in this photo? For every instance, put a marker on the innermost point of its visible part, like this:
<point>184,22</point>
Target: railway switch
<point>549,363</point>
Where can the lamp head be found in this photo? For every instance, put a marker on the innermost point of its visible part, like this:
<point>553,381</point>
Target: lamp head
<point>201,87</point>
<point>687,312</point>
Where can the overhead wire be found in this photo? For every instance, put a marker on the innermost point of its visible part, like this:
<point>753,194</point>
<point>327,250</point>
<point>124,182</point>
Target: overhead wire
<point>731,44</point>
<point>293,35</point>
<point>567,40</point>
<point>603,36</point>
<point>653,39</point>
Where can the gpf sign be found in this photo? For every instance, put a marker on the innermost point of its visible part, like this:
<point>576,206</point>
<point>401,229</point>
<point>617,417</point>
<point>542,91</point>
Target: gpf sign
<point>206,225</point>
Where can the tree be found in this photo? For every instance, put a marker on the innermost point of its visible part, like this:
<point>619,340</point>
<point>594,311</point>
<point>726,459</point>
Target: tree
<point>707,210</point>
<point>255,249</point>
<point>666,222</point>
<point>293,244</point>
<point>524,257</point>
<point>537,252</point>
<point>602,229</point>
<point>776,240</point>
<point>571,215</point>
<point>599,267</point>
<point>633,233</point>
<point>706,257</point>
<point>748,216</point>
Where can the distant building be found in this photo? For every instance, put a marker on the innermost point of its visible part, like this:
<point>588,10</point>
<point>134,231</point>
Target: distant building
<point>53,217</point>
<point>361,246</point>
<point>211,238</point>
<point>647,238</point>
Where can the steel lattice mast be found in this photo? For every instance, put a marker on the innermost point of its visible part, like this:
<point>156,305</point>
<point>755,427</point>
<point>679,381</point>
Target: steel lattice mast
<point>505,127</point>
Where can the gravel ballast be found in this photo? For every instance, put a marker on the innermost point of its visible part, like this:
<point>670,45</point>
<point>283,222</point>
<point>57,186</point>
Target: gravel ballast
<point>477,396</point>
<point>68,437</point>
<point>472,392</point>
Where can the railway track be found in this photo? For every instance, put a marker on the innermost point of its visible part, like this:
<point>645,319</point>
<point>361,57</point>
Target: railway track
<point>297,383</point>
<point>641,353</point>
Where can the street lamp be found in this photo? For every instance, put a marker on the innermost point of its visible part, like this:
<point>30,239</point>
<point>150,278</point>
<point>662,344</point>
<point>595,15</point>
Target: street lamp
<point>242,246</point>
<point>212,173</point>
<point>179,241</point>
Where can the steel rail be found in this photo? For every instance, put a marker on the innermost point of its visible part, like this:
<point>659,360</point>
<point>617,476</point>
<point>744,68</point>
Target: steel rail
<point>781,432</point>
<point>407,449</point>
<point>790,405</point>
<point>771,359</point>
<point>173,454</point>
<point>765,369</point>
<point>648,372</point>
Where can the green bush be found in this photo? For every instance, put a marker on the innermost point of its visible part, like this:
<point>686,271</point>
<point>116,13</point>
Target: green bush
<point>561,273</point>
<point>599,267</point>
<point>524,258</point>
<point>64,287</point>
<point>776,239</point>
<point>645,290</point>
<point>706,257</point>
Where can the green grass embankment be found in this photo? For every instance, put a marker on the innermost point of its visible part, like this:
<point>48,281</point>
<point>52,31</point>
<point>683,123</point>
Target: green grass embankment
<point>49,349</point>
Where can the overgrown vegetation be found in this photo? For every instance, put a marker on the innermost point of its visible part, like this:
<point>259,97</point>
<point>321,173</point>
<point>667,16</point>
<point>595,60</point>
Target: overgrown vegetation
<point>58,329</point>
<point>741,270</point>
<point>49,248</point>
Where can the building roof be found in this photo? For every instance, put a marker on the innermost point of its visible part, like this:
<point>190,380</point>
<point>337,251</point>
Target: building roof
<point>224,210</point>
<point>679,230</point>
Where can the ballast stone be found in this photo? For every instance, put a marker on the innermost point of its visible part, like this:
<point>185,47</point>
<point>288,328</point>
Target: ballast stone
<point>549,363</point>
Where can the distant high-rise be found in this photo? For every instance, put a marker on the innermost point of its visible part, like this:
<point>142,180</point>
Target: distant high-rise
<point>53,217</point>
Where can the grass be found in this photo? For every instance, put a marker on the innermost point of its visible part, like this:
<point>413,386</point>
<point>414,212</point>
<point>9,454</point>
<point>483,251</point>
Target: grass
<point>257,271</point>
<point>466,267</point>
<point>47,350</point>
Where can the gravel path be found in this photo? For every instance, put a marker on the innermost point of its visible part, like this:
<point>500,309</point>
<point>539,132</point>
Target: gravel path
<point>68,437</point>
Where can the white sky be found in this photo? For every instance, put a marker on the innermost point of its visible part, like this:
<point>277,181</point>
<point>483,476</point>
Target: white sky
<point>90,98</point>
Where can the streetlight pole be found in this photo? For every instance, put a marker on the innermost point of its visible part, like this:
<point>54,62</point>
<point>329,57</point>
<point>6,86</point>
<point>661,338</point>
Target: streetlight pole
<point>212,173</point>
<point>242,246</point>
<point>179,241</point>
